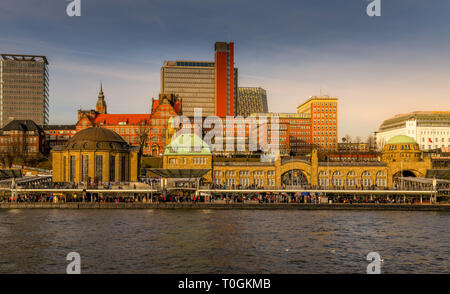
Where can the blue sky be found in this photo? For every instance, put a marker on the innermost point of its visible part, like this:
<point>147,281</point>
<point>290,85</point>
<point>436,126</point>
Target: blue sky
<point>376,66</point>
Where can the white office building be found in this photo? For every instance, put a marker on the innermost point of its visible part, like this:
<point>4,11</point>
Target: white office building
<point>430,129</point>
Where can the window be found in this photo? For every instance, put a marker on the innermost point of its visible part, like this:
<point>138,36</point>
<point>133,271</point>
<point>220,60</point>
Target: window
<point>112,168</point>
<point>99,167</point>
<point>64,168</point>
<point>72,168</point>
<point>85,168</point>
<point>123,169</point>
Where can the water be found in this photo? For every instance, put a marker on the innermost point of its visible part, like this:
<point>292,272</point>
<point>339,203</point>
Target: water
<point>223,241</point>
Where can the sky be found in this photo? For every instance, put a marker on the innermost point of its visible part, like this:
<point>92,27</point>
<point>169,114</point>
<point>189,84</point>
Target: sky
<point>377,66</point>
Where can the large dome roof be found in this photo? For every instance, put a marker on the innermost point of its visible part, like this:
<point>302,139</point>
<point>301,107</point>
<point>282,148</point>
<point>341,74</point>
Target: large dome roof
<point>96,138</point>
<point>401,139</point>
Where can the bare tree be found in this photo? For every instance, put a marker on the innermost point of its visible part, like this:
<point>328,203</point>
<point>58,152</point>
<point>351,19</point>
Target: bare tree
<point>372,142</point>
<point>15,149</point>
<point>347,139</point>
<point>358,139</point>
<point>142,134</point>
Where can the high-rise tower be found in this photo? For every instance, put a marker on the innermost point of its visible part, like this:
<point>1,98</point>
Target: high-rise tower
<point>24,89</point>
<point>225,81</point>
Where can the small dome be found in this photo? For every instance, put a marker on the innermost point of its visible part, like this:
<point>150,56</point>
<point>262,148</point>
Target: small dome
<point>401,139</point>
<point>186,144</point>
<point>96,138</point>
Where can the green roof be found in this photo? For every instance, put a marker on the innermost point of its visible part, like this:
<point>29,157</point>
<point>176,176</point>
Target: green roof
<point>401,139</point>
<point>187,144</point>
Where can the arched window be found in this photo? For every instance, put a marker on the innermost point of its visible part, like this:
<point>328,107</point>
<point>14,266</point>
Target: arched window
<point>323,179</point>
<point>351,178</point>
<point>366,181</point>
<point>380,180</point>
<point>337,179</point>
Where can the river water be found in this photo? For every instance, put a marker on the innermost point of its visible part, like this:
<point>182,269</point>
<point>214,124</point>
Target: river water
<point>223,241</point>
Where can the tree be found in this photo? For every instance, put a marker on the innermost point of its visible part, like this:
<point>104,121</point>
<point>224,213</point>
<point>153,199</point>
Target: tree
<point>347,139</point>
<point>358,139</point>
<point>15,149</point>
<point>142,135</point>
<point>372,142</point>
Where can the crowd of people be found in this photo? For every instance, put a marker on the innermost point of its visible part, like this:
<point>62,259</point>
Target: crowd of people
<point>312,198</point>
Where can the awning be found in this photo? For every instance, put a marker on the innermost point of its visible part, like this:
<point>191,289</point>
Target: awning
<point>178,173</point>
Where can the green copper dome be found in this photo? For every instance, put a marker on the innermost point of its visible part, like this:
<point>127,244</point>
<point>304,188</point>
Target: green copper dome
<point>187,144</point>
<point>401,139</point>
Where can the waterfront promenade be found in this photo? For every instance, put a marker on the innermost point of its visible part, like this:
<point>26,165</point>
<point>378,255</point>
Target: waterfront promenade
<point>221,206</point>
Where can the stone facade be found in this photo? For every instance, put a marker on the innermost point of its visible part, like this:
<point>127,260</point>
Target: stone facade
<point>306,172</point>
<point>95,155</point>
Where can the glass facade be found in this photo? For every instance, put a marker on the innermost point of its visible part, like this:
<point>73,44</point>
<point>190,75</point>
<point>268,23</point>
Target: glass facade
<point>73,166</point>
<point>112,168</point>
<point>251,100</point>
<point>193,81</point>
<point>122,174</point>
<point>99,167</point>
<point>24,90</point>
<point>85,168</point>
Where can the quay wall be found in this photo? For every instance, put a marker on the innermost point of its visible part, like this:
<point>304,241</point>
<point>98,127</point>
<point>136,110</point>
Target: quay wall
<point>252,206</point>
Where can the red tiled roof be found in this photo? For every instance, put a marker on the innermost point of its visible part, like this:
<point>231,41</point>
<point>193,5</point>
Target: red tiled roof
<point>115,119</point>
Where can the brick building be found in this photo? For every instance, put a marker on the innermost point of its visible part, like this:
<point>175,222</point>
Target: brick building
<point>145,130</point>
<point>22,137</point>
<point>323,116</point>
<point>57,135</point>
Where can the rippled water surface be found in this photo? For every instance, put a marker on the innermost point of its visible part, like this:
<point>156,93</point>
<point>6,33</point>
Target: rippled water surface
<point>223,241</point>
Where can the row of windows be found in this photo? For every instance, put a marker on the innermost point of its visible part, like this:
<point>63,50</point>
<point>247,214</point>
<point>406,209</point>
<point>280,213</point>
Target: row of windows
<point>435,146</point>
<point>324,115</point>
<point>195,160</point>
<point>7,148</point>
<point>327,121</point>
<point>435,132</point>
<point>353,182</point>
<point>244,173</point>
<point>436,140</point>
<point>244,182</point>
<point>333,104</point>
<point>98,168</point>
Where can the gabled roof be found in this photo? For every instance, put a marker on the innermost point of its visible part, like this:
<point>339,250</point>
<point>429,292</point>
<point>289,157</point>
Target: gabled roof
<point>22,125</point>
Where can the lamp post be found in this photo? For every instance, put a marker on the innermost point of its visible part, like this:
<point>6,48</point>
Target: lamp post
<point>401,175</point>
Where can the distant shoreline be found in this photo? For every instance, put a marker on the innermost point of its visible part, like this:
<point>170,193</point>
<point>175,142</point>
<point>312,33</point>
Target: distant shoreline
<point>223,206</point>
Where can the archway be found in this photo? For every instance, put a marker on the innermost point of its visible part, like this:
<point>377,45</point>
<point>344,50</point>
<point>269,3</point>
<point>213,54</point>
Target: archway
<point>405,173</point>
<point>294,177</point>
<point>399,180</point>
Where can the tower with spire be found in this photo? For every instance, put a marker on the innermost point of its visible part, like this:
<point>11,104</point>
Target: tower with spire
<point>100,107</point>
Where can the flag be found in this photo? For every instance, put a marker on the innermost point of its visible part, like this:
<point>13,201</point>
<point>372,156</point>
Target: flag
<point>429,140</point>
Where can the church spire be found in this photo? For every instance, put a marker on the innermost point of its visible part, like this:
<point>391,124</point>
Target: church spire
<point>101,104</point>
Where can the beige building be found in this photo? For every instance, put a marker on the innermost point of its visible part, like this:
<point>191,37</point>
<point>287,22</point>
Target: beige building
<point>323,111</point>
<point>193,82</point>
<point>95,155</point>
<point>430,129</point>
<point>24,89</point>
<point>401,157</point>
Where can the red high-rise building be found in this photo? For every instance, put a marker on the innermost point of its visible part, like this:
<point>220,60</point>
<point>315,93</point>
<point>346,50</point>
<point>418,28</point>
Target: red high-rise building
<point>226,87</point>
